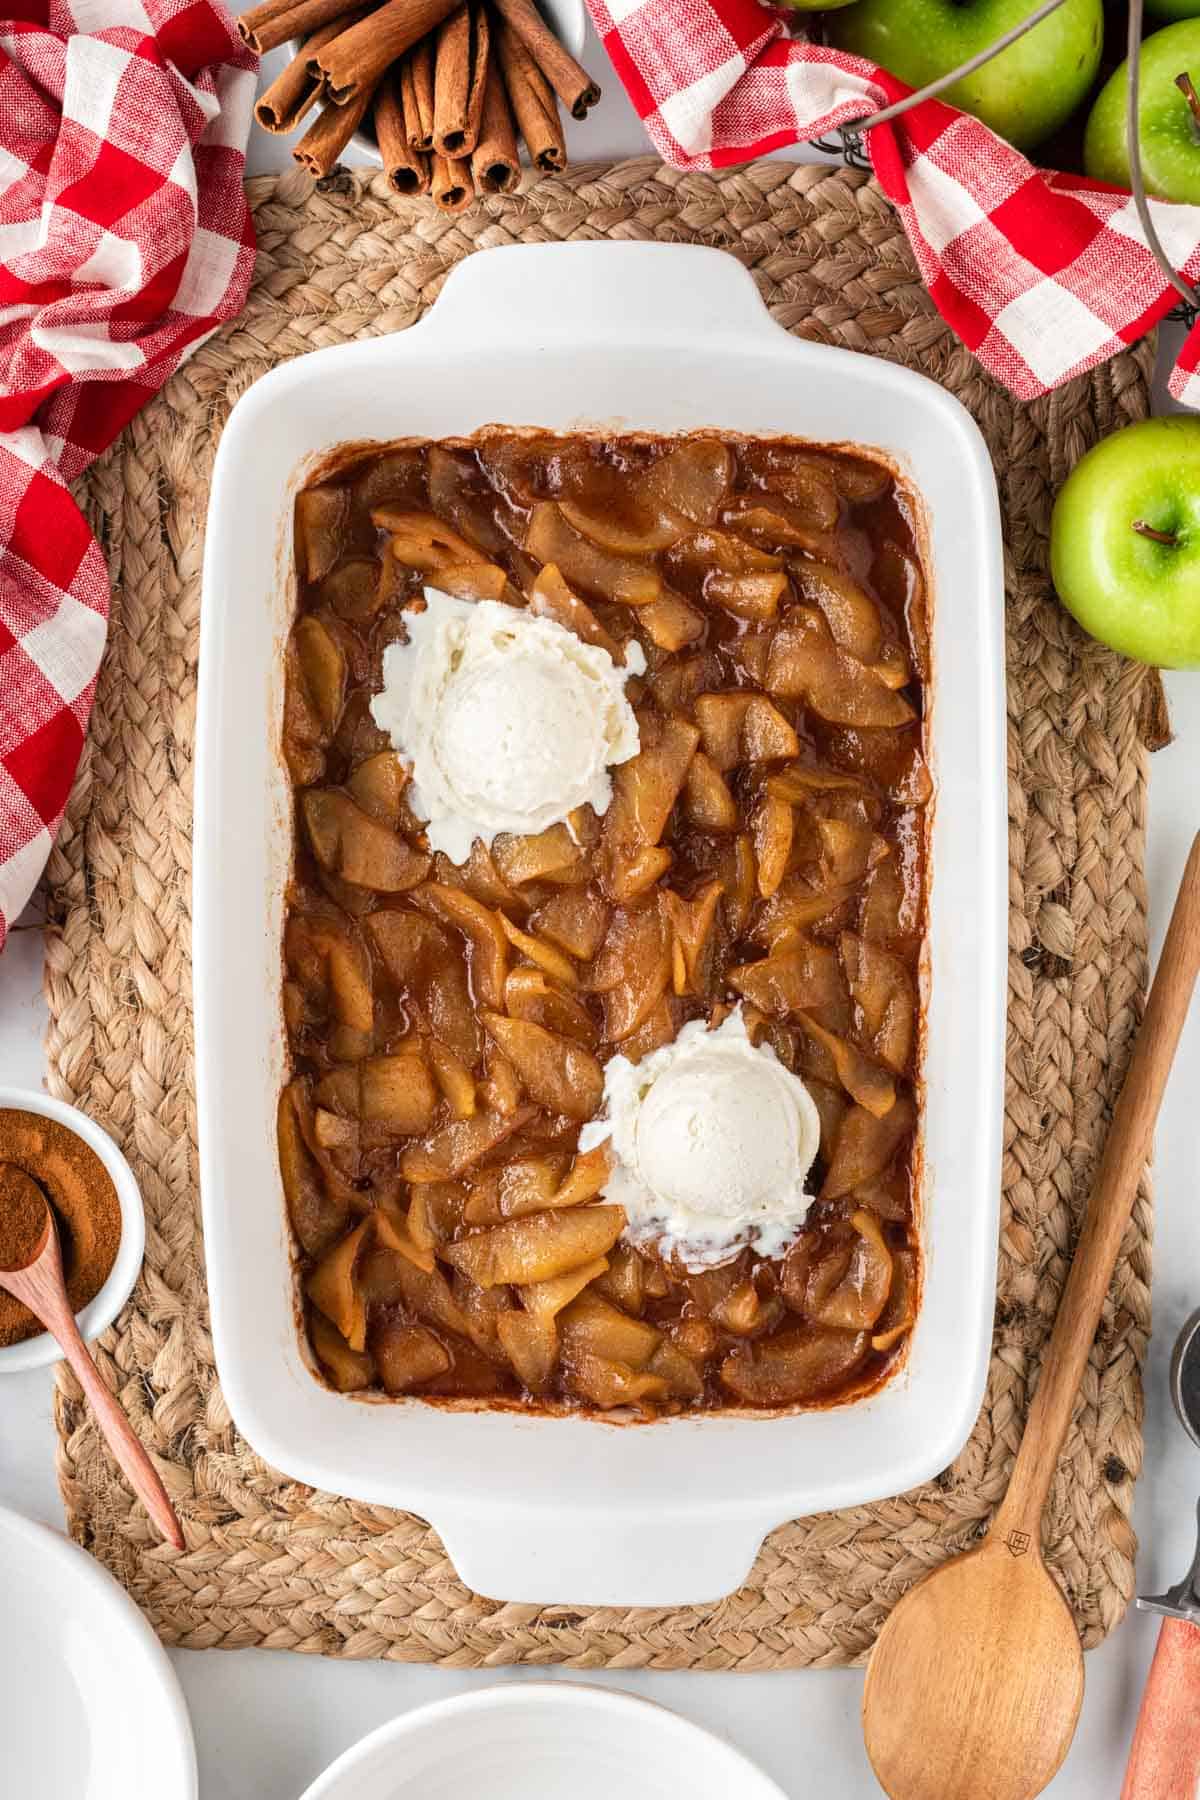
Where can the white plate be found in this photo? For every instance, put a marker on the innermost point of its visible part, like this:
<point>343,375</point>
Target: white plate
<point>89,1705</point>
<point>542,1741</point>
<point>666,338</point>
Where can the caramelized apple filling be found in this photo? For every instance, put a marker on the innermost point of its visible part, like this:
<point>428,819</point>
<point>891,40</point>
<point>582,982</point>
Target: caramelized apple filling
<point>764,852</point>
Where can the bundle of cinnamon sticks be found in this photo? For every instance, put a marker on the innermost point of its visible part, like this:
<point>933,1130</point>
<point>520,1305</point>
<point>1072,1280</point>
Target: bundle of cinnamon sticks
<point>449,87</point>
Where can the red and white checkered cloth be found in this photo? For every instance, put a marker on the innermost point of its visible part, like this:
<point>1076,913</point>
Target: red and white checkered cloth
<point>1041,275</point>
<point>125,240</point>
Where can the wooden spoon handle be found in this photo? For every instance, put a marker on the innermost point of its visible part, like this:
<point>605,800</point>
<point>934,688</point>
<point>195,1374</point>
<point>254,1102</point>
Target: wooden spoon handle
<point>1130,1138</point>
<point>123,1441</point>
<point>40,1288</point>
<point>1164,1760</point>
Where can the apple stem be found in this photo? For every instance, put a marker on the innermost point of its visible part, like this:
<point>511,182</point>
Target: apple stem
<point>1158,537</point>
<point>1187,88</point>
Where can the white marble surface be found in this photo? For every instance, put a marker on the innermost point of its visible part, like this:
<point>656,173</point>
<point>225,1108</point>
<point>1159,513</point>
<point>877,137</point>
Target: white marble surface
<point>266,1723</point>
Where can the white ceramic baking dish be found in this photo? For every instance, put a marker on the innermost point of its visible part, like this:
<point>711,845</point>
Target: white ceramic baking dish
<point>661,338</point>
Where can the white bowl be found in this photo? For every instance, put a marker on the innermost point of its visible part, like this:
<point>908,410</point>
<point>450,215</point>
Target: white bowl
<point>98,1314</point>
<point>89,1705</point>
<point>567,19</point>
<point>539,1741</point>
<point>664,338</point>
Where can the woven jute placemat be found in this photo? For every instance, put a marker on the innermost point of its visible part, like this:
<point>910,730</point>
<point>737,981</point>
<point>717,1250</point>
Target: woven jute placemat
<point>271,1562</point>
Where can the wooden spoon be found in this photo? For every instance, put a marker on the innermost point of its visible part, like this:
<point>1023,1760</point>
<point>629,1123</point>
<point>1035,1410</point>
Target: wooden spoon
<point>39,1285</point>
<point>974,1686</point>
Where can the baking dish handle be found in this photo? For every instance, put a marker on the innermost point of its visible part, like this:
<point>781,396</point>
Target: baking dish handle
<point>623,293</point>
<point>579,1560</point>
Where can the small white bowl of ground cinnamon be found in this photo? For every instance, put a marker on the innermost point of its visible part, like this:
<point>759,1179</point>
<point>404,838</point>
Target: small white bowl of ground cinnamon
<point>97,1207</point>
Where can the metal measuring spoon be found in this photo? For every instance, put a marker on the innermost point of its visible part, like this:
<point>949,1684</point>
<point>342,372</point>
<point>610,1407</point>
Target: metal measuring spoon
<point>1164,1760</point>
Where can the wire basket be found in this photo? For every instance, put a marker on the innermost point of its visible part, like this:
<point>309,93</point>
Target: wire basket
<point>850,139</point>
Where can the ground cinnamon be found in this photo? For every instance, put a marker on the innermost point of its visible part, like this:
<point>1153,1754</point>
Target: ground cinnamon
<point>23,1217</point>
<point>80,1193</point>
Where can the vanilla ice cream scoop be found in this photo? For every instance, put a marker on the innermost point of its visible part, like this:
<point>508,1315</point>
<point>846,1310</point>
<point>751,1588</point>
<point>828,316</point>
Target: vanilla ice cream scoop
<point>713,1139</point>
<point>508,721</point>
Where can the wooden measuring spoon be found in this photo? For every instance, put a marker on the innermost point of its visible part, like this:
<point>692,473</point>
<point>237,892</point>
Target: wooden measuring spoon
<point>39,1285</point>
<point>974,1686</point>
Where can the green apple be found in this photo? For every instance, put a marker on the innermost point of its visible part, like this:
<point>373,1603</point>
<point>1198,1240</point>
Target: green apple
<point>1168,121</point>
<point>1125,541</point>
<point>1025,93</point>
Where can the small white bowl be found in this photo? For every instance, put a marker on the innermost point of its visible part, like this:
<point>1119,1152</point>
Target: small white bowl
<point>566,19</point>
<point>98,1314</point>
<point>538,1740</point>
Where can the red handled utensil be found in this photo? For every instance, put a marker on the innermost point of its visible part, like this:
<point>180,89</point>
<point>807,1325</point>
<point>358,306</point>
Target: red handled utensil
<point>1164,1759</point>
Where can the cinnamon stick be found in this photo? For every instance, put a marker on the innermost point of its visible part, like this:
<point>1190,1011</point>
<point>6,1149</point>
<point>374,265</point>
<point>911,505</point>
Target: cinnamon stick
<point>451,183</point>
<point>532,101</point>
<point>416,95</point>
<point>460,62</point>
<point>452,83</point>
<point>572,83</point>
<point>324,141</point>
<point>496,163</point>
<point>357,58</point>
<point>481,60</point>
<point>272,23</point>
<point>407,170</point>
<point>295,91</point>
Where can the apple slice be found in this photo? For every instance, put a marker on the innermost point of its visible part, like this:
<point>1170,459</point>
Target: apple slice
<point>407,1355</point>
<point>538,1248</point>
<point>806,664</point>
<point>793,1366</point>
<point>318,1215</point>
<point>557,1072</point>
<point>551,538</point>
<point>483,930</point>
<point>772,828</point>
<point>529,995</point>
<point>610,1384</point>
<point>457,1147</point>
<point>791,981</point>
<point>544,1300</point>
<point>357,848</point>
<point>865,1146</point>
<point>322,527</point>
<point>576,922</point>
<point>477,512</point>
<point>594,1326</point>
<point>552,962</point>
<point>883,989</point>
<point>671,623</point>
<point>862,1079</point>
<point>707,800</point>
<point>530,1345</point>
<point>332,1287</point>
<point>551,598</point>
<point>349,1371</point>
